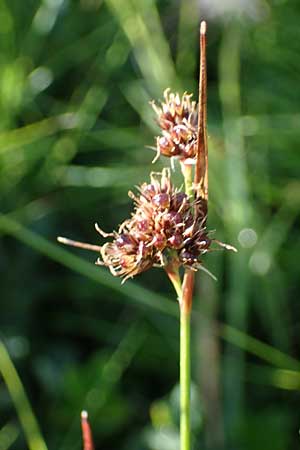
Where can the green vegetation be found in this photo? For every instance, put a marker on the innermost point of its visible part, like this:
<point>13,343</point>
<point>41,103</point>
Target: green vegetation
<point>75,81</point>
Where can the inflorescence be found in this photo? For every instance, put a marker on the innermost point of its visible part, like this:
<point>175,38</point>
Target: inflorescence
<point>177,118</point>
<point>161,225</point>
<point>166,224</point>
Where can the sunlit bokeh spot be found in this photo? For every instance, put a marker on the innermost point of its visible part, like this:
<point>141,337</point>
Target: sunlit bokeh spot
<point>40,79</point>
<point>247,237</point>
<point>44,19</point>
<point>18,346</point>
<point>260,262</point>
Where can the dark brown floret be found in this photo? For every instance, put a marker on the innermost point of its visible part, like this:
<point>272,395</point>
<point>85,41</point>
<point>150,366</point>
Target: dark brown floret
<point>166,211</point>
<point>126,256</point>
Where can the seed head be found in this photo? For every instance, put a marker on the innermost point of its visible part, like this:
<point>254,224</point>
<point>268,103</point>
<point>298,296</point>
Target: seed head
<point>162,222</point>
<point>168,227</point>
<point>177,118</point>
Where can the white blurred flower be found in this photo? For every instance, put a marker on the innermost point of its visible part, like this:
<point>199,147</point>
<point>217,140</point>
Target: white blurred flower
<point>223,10</point>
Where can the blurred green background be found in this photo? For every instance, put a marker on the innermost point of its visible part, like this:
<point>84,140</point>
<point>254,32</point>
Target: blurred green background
<point>76,78</point>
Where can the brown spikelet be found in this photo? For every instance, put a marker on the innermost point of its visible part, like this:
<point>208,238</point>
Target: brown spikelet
<point>177,118</point>
<point>163,220</point>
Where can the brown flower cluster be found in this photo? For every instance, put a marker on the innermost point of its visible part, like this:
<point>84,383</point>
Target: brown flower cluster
<point>177,118</point>
<point>162,223</point>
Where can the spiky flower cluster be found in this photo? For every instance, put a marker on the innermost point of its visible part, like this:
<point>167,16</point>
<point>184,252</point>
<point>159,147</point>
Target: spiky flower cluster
<point>177,118</point>
<point>167,227</point>
<point>163,222</point>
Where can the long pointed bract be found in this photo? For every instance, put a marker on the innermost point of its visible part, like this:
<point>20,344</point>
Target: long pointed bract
<point>84,245</point>
<point>201,170</point>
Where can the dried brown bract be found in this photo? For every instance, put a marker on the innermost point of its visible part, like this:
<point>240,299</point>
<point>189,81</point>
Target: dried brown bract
<point>177,118</point>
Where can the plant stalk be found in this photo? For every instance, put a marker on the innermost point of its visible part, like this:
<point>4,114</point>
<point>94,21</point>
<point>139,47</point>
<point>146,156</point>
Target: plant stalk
<point>185,381</point>
<point>198,189</point>
<point>185,359</point>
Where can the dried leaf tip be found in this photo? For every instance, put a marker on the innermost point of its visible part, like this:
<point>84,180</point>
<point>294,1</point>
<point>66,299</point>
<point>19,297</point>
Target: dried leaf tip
<point>203,27</point>
<point>201,168</point>
<point>84,415</point>
<point>86,432</point>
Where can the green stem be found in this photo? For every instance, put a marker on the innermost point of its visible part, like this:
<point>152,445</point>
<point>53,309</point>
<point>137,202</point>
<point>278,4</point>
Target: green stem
<point>185,296</point>
<point>185,327</point>
<point>185,293</point>
<point>185,380</point>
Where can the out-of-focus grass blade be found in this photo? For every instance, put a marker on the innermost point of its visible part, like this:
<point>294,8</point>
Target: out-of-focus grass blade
<point>138,97</point>
<point>8,435</point>
<point>98,177</point>
<point>188,38</point>
<point>14,385</point>
<point>264,351</point>
<point>263,263</point>
<point>111,373</point>
<point>238,215</point>
<point>141,24</point>
<point>119,138</point>
<point>12,140</point>
<point>276,232</point>
<point>279,378</point>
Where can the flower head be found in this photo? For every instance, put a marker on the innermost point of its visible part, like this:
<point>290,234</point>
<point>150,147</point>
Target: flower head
<point>168,227</point>
<point>126,256</point>
<point>162,224</point>
<point>177,118</point>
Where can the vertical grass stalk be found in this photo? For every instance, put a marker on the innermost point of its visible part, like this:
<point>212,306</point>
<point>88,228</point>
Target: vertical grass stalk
<point>200,190</point>
<point>185,359</point>
<point>185,380</point>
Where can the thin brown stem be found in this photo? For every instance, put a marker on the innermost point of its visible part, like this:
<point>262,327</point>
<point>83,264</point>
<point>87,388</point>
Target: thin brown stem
<point>85,245</point>
<point>201,170</point>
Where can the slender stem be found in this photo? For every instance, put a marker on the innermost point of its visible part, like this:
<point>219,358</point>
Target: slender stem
<point>185,380</point>
<point>200,190</point>
<point>185,296</point>
<point>185,328</point>
<point>185,359</point>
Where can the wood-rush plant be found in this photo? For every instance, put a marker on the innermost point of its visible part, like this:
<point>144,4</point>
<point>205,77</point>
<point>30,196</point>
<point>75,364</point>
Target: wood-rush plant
<point>168,227</point>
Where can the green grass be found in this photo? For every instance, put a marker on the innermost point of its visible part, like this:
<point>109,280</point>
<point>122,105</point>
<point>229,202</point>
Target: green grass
<point>75,81</point>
